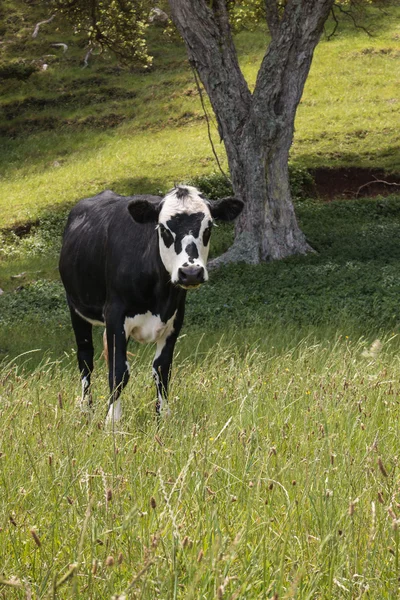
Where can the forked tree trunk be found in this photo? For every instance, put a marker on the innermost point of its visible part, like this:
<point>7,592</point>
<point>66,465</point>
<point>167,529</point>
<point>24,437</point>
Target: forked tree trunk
<point>256,128</point>
<point>267,229</point>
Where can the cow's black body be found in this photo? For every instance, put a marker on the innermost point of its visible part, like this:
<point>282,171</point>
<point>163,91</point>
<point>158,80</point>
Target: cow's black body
<point>113,274</point>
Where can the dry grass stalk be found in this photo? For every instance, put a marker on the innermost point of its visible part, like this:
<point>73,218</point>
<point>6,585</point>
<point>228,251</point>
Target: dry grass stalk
<point>382,467</point>
<point>36,538</point>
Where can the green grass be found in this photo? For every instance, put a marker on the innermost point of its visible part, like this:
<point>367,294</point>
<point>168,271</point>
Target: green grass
<point>274,486</point>
<point>85,130</point>
<point>277,474</point>
<point>349,285</point>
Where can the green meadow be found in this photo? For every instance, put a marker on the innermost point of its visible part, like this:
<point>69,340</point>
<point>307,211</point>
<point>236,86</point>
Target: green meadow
<point>276,476</point>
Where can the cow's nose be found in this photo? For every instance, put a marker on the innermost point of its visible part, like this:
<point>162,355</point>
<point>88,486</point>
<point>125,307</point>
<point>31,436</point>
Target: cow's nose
<point>190,276</point>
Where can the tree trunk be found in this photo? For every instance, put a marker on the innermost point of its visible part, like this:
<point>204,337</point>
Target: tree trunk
<point>257,129</point>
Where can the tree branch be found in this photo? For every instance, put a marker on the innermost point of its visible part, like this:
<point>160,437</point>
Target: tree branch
<point>272,14</point>
<point>60,45</point>
<point>375,180</point>
<point>211,51</point>
<point>285,66</point>
<point>37,26</point>
<point>86,59</point>
<point>349,13</point>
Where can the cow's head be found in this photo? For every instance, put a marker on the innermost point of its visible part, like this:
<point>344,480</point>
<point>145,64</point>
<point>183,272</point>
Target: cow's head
<point>184,220</point>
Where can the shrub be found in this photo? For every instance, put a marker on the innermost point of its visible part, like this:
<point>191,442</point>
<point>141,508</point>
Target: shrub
<point>215,185</point>
<point>16,69</point>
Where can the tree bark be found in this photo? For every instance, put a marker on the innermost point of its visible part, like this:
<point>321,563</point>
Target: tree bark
<point>257,129</point>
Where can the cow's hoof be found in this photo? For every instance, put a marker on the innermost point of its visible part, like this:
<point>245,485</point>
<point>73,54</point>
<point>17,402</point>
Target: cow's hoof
<point>165,412</point>
<point>114,414</point>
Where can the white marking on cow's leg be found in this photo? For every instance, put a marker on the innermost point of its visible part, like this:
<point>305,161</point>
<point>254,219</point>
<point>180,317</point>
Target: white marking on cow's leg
<point>85,388</point>
<point>86,396</point>
<point>114,413</point>
<point>160,399</point>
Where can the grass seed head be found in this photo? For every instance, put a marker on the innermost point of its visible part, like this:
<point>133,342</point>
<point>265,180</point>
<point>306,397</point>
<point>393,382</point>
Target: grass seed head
<point>153,503</point>
<point>200,556</point>
<point>13,521</point>
<point>110,562</point>
<point>36,538</point>
<point>382,467</point>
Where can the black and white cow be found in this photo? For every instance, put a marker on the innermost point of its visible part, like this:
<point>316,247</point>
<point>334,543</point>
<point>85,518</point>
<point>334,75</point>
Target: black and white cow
<point>126,263</point>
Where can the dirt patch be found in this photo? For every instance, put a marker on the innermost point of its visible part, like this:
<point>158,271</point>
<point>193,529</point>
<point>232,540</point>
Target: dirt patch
<point>20,229</point>
<point>353,182</point>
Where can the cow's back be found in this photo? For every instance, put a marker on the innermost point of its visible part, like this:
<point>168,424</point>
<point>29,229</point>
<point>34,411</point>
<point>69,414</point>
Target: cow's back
<point>99,238</point>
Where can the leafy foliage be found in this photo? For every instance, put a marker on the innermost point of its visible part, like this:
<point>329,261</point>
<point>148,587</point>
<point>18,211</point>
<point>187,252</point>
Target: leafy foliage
<point>115,24</point>
<point>246,14</point>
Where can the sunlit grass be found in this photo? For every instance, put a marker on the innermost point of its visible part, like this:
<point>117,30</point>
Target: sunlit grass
<point>349,115</point>
<point>284,479</point>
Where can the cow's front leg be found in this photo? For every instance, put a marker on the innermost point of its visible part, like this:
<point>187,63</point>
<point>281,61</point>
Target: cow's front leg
<point>162,371</point>
<point>118,368</point>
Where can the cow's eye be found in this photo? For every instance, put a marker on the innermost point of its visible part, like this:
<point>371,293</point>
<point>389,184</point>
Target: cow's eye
<point>166,235</point>
<point>207,235</point>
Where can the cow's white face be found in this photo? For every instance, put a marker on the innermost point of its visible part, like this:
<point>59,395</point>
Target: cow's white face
<point>184,220</point>
<point>184,230</point>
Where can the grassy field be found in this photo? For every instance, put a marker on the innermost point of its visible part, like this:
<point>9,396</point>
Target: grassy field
<point>70,133</point>
<point>276,476</point>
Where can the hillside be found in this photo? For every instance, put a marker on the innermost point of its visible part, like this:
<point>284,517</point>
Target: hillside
<point>69,131</point>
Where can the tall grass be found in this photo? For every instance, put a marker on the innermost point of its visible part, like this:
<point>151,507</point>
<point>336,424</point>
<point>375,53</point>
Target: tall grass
<point>276,474</point>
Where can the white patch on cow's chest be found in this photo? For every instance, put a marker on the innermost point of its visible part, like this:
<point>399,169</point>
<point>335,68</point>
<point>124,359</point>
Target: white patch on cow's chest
<point>148,328</point>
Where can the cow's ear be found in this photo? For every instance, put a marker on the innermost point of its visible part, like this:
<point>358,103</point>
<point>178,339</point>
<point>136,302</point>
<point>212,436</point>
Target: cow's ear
<point>143,211</point>
<point>226,209</point>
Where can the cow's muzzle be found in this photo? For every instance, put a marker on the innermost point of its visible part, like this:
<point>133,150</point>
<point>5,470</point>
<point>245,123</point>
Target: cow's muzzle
<point>191,277</point>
